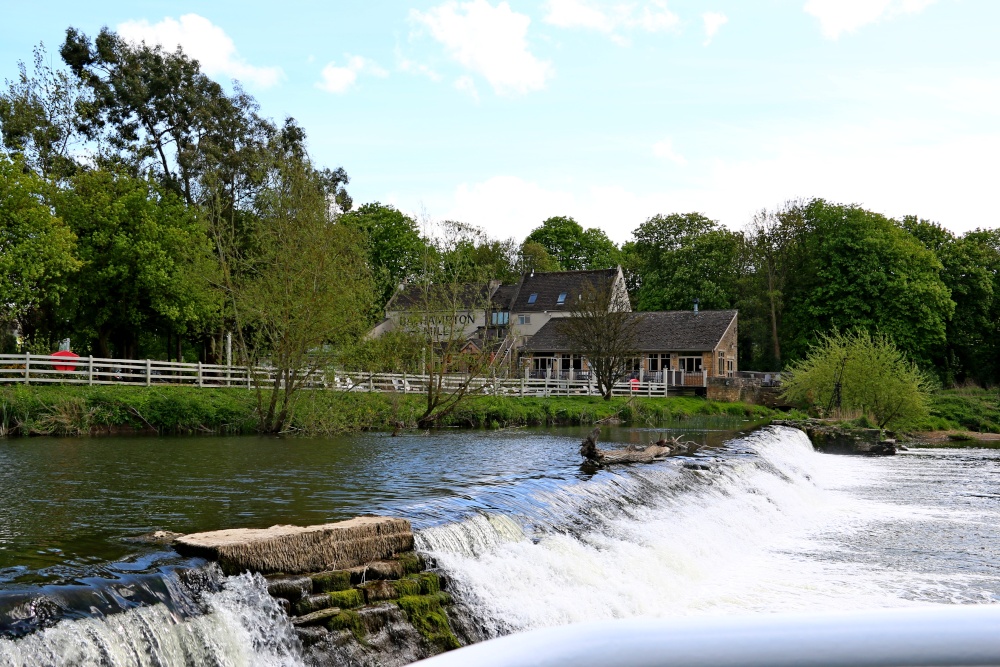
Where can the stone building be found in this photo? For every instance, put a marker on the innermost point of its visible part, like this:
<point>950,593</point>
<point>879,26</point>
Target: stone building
<point>690,344</point>
<point>685,342</point>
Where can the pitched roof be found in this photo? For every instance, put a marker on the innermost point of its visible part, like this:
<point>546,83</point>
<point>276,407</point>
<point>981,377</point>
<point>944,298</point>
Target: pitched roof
<point>502,297</point>
<point>468,296</point>
<point>548,286</point>
<point>664,331</point>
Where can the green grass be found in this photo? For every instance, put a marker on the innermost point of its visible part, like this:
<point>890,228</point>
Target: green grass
<point>76,410</point>
<point>967,409</point>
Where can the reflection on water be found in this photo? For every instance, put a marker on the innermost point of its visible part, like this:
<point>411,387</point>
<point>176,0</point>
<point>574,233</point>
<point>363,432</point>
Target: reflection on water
<point>70,504</point>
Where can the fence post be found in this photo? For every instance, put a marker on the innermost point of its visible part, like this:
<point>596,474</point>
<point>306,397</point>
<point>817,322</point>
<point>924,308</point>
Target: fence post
<point>27,368</point>
<point>522,382</point>
<point>90,370</point>
<point>148,372</point>
<point>200,381</point>
<point>704,378</point>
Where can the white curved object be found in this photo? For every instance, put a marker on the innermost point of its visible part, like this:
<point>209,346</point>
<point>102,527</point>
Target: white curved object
<point>938,635</point>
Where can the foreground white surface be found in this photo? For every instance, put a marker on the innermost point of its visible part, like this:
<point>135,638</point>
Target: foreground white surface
<point>940,635</point>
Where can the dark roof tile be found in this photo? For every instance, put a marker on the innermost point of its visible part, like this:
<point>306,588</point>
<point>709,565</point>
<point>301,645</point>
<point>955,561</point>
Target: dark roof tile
<point>664,331</point>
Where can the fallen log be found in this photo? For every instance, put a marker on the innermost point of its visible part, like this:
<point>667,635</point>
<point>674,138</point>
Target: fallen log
<point>659,450</point>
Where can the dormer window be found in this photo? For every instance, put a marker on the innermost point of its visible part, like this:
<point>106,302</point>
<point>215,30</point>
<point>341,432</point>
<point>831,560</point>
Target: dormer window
<point>531,299</point>
<point>562,299</point>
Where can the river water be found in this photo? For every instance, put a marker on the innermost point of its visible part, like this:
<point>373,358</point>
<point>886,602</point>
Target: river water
<point>528,537</point>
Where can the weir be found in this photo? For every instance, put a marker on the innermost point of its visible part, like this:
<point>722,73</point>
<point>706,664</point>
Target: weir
<point>763,524</point>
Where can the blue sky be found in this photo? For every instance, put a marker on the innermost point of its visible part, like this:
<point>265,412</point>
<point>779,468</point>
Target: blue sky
<point>501,114</point>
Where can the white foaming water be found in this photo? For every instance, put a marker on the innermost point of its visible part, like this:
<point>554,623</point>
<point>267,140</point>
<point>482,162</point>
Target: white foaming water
<point>243,627</point>
<point>771,532</point>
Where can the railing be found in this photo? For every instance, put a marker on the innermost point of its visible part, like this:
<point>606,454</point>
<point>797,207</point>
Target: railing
<point>937,635</point>
<point>48,369</point>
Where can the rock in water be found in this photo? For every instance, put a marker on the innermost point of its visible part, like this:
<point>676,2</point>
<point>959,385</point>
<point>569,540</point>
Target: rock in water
<point>297,549</point>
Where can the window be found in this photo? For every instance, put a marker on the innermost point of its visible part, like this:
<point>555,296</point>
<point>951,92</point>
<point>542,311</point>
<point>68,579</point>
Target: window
<point>720,369</point>
<point>532,297</point>
<point>654,363</point>
<point>690,364</point>
<point>524,319</point>
<point>500,318</point>
<point>562,299</point>
<point>730,368</point>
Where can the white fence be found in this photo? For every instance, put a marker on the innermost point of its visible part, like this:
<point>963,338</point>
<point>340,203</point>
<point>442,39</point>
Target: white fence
<point>48,369</point>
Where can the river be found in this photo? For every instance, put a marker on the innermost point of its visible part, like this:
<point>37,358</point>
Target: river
<point>528,538</point>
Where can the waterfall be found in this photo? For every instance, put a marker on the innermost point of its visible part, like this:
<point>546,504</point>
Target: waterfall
<point>241,625</point>
<point>762,530</point>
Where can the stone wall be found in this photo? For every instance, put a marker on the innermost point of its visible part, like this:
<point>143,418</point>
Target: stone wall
<point>355,591</point>
<point>733,390</point>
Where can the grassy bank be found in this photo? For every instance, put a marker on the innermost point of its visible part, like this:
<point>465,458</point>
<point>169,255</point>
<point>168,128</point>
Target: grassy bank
<point>967,409</point>
<point>74,410</point>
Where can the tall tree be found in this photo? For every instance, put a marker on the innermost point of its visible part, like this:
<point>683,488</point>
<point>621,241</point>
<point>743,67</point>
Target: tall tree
<point>39,117</point>
<point>573,247</point>
<point>147,261</point>
<point>966,271</point>
<point>681,257</point>
<point>151,109</point>
<point>393,243</point>
<point>37,248</point>
<point>297,288</point>
<point>854,268</point>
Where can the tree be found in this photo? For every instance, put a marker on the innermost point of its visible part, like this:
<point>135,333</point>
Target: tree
<point>859,371</point>
<point>602,328</point>
<point>147,261</point>
<point>966,270</point>
<point>37,248</point>
<point>394,246</point>
<point>534,257</point>
<point>857,269</point>
<point>298,287</point>
<point>681,257</point>
<point>39,117</point>
<point>573,247</point>
<point>155,110</point>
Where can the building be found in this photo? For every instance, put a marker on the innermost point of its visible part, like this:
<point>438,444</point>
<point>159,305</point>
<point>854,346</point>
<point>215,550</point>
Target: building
<point>690,344</point>
<point>685,342</point>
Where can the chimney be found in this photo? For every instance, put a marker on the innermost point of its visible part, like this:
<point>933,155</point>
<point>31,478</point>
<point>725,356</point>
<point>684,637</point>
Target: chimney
<point>696,305</point>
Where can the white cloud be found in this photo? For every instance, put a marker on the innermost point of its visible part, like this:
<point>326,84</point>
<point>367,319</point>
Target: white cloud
<point>713,21</point>
<point>334,79</point>
<point>839,16</point>
<point>611,19</point>
<point>204,41</point>
<point>490,41</point>
<point>465,84</point>
<point>665,149</point>
<point>886,166</point>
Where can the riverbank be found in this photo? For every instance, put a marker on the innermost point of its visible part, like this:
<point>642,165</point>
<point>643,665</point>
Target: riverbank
<point>116,409</point>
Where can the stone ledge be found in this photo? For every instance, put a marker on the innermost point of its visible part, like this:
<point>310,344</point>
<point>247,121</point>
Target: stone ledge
<point>298,549</point>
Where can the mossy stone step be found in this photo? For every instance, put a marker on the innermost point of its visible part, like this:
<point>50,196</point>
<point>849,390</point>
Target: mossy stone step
<point>316,617</point>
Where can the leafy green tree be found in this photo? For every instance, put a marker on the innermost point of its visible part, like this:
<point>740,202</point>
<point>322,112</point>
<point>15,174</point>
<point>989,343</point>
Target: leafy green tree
<point>39,117</point>
<point>855,269</point>
<point>393,242</point>
<point>37,249</point>
<point>146,258</point>
<point>680,257</point>
<point>966,271</point>
<point>298,289</point>
<point>155,110</point>
<point>573,247</point>
<point>534,257</point>
<point>859,371</point>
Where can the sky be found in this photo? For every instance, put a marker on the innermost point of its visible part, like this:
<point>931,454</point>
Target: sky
<point>502,114</point>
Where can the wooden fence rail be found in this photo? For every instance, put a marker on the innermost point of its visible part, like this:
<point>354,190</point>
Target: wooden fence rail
<point>47,369</point>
